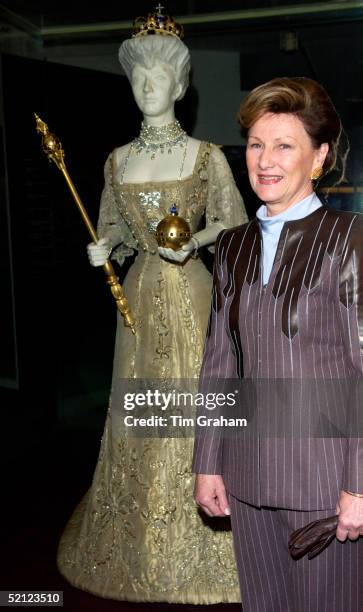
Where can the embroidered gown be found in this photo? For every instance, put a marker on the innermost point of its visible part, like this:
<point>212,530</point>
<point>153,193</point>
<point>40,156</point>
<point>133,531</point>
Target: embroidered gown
<point>137,535</point>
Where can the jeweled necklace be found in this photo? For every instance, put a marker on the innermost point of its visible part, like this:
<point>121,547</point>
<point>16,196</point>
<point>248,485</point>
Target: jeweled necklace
<point>153,139</point>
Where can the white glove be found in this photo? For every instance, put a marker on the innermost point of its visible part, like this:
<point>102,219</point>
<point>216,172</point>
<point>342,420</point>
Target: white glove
<point>202,238</point>
<point>181,254</point>
<point>99,252</point>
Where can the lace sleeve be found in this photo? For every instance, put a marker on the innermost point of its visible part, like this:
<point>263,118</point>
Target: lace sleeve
<point>111,223</point>
<point>224,204</point>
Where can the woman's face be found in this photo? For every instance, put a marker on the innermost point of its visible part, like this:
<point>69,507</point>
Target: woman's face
<point>280,158</point>
<point>155,89</point>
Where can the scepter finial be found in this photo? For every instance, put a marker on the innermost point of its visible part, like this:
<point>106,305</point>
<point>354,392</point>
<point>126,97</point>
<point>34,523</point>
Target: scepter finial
<point>51,144</point>
<point>41,125</point>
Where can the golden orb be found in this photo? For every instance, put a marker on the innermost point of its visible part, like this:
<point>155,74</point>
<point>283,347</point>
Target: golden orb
<point>173,231</point>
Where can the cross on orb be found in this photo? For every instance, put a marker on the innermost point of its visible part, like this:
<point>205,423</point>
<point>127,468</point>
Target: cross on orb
<point>159,8</point>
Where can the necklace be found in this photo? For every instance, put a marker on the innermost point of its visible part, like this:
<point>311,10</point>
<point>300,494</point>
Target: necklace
<point>153,139</point>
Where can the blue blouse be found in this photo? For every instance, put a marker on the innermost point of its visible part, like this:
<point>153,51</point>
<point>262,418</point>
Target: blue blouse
<point>271,227</point>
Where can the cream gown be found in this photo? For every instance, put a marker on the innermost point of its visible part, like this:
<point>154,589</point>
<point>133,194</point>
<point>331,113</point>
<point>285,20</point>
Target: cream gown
<point>137,535</point>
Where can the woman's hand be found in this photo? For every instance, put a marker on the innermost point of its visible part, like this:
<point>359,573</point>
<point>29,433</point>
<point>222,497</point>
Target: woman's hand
<point>350,510</point>
<point>99,252</point>
<point>210,494</point>
<point>180,255</point>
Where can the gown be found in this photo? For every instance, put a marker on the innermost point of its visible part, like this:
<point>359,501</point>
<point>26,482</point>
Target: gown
<point>137,535</point>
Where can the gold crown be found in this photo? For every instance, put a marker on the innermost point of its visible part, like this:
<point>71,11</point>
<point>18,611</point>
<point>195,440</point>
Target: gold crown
<point>157,23</point>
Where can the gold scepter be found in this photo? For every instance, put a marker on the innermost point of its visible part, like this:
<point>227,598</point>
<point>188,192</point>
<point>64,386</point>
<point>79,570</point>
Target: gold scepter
<point>52,147</point>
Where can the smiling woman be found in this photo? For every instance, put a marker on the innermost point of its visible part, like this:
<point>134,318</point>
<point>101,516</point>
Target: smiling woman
<point>280,158</point>
<point>290,139</point>
<point>290,311</point>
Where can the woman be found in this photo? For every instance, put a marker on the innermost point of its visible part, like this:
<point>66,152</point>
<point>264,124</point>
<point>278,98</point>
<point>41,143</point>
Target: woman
<point>137,534</point>
<point>290,310</point>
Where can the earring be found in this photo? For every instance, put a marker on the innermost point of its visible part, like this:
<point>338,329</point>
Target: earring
<point>316,173</point>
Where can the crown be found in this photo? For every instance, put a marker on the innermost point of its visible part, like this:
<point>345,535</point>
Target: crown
<point>157,23</point>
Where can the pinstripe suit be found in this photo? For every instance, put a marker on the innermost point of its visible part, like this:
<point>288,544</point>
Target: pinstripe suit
<point>306,323</point>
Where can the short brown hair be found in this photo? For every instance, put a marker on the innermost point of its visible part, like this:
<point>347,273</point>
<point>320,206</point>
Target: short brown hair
<point>304,98</point>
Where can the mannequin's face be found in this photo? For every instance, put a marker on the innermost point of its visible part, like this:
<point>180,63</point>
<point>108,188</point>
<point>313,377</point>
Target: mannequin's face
<point>155,89</point>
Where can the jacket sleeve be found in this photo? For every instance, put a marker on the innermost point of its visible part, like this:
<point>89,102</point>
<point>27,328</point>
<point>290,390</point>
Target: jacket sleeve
<point>217,367</point>
<point>351,314</point>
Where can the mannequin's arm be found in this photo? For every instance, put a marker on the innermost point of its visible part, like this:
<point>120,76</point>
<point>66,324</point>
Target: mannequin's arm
<point>203,238</point>
<point>114,233</point>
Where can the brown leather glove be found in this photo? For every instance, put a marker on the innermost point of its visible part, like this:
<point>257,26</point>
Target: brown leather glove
<point>312,538</point>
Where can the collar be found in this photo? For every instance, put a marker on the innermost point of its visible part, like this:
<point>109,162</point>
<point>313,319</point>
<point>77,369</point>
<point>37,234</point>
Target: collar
<point>298,211</point>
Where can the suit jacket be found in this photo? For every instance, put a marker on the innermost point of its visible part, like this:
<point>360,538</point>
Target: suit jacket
<point>305,324</point>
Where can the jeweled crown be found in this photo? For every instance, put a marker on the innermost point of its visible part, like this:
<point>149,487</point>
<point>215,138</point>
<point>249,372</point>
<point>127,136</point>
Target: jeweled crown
<point>157,23</point>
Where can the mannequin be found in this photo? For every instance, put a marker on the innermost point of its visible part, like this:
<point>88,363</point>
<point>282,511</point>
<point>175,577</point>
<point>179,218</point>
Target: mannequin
<point>160,85</point>
<point>137,535</point>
